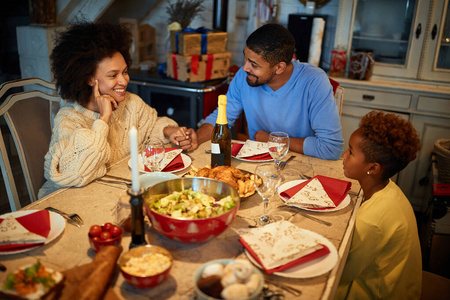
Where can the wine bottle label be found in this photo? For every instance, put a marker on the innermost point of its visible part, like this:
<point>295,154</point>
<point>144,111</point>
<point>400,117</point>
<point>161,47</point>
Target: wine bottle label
<point>217,160</point>
<point>215,148</point>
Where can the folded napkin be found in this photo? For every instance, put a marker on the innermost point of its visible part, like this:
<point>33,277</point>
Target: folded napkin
<point>251,150</point>
<point>172,161</point>
<point>24,232</point>
<point>281,245</point>
<point>315,192</point>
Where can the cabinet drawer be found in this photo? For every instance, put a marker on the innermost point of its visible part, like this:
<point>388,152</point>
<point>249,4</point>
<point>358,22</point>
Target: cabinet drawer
<point>430,104</point>
<point>377,98</point>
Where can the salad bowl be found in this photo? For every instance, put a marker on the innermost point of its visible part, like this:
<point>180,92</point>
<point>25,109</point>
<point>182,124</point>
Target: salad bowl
<point>200,227</point>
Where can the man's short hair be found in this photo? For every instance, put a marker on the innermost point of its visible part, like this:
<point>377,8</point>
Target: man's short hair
<point>273,42</point>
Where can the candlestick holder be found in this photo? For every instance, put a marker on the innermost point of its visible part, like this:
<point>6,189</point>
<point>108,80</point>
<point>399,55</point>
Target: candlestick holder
<point>137,218</point>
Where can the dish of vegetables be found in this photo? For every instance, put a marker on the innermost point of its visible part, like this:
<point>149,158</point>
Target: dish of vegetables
<point>189,204</point>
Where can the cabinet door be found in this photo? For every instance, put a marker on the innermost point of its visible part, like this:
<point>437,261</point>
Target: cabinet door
<point>430,129</point>
<point>436,64</point>
<point>393,30</point>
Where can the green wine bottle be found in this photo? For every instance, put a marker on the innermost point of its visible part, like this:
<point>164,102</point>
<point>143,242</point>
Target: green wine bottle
<point>221,137</point>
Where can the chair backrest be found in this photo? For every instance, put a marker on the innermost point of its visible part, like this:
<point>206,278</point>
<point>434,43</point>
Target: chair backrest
<point>338,91</point>
<point>339,96</point>
<point>29,116</point>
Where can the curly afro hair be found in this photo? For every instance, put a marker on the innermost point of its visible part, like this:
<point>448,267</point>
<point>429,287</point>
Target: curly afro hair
<point>273,42</point>
<point>389,140</point>
<point>79,50</point>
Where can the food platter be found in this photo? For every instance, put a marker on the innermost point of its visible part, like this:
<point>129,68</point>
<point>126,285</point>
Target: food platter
<point>192,173</point>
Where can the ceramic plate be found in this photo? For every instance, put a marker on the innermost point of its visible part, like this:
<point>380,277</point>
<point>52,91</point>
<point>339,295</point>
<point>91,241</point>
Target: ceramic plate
<point>57,225</point>
<point>312,268</point>
<point>186,161</point>
<point>250,160</point>
<point>293,183</point>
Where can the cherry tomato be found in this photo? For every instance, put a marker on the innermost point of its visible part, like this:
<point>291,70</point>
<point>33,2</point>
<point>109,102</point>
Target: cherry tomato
<point>107,227</point>
<point>96,239</point>
<point>105,235</point>
<point>95,230</point>
<point>115,231</point>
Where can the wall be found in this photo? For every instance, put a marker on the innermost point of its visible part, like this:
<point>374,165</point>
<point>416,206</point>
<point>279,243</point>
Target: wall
<point>239,29</point>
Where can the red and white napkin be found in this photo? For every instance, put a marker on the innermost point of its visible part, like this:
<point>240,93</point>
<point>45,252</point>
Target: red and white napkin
<point>251,150</point>
<point>319,192</point>
<point>281,245</point>
<point>172,161</point>
<point>24,232</point>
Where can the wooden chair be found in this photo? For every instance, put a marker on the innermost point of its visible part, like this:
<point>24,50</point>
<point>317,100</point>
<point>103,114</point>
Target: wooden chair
<point>435,287</point>
<point>338,91</point>
<point>29,117</point>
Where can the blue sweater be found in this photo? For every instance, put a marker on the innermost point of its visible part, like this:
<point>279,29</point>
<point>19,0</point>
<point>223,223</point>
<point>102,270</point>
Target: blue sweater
<point>303,107</point>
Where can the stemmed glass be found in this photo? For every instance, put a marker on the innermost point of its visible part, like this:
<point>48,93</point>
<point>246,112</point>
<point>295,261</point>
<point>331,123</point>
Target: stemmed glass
<point>278,146</point>
<point>153,154</point>
<point>267,181</point>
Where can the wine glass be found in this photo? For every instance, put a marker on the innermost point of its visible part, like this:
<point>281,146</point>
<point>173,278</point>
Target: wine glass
<point>267,181</point>
<point>278,146</point>
<point>153,154</point>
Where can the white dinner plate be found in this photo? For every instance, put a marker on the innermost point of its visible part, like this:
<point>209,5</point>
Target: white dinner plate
<point>312,268</point>
<point>293,183</point>
<point>186,161</point>
<point>57,225</point>
<point>249,160</point>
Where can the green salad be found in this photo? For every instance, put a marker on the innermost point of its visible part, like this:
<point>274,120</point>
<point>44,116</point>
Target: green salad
<point>189,204</point>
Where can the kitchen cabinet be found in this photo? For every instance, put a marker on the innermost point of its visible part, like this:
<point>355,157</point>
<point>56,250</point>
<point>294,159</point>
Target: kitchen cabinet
<point>408,39</point>
<point>426,106</point>
<point>410,43</point>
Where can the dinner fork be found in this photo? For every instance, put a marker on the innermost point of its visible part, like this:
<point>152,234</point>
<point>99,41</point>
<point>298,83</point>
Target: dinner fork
<point>73,219</point>
<point>284,163</point>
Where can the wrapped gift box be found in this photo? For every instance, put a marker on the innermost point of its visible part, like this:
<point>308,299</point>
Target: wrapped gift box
<point>194,68</point>
<point>194,43</point>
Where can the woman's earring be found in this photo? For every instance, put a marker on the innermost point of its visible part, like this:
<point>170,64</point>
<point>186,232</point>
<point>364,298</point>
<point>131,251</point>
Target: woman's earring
<point>368,173</point>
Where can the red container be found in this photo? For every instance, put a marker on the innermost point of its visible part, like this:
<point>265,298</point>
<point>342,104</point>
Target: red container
<point>97,244</point>
<point>198,230</point>
<point>144,282</point>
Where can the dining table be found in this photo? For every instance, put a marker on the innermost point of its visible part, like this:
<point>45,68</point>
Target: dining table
<point>97,202</point>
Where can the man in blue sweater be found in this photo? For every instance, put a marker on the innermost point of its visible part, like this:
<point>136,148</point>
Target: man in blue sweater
<point>278,94</point>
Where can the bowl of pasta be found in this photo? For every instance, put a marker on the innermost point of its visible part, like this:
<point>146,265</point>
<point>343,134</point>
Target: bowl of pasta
<point>191,210</point>
<point>145,266</point>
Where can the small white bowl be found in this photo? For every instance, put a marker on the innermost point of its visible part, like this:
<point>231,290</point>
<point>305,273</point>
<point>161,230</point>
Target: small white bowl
<point>149,179</point>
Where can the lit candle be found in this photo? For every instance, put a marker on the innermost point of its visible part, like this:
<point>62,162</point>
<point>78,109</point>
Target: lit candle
<point>134,160</point>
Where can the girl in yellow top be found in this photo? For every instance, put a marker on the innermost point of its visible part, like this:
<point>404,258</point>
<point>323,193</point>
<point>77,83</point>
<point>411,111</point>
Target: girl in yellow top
<point>385,260</point>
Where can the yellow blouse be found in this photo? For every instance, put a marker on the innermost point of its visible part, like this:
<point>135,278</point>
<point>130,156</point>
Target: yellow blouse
<point>385,260</point>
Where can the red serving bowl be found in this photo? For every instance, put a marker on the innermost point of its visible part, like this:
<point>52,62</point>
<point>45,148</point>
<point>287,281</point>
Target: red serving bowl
<point>198,230</point>
<point>145,281</point>
<point>97,244</point>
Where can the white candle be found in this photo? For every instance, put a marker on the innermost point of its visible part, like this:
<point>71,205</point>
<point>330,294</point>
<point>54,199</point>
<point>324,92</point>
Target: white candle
<point>134,160</point>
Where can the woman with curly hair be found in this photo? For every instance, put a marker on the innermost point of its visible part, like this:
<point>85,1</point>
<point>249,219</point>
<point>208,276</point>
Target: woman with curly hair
<point>90,66</point>
<point>385,260</point>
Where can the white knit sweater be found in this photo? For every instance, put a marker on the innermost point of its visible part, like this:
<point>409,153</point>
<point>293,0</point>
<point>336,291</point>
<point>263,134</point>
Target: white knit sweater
<point>83,146</point>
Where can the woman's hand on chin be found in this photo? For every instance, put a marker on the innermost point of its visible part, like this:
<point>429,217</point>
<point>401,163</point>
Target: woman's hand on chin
<point>105,104</point>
